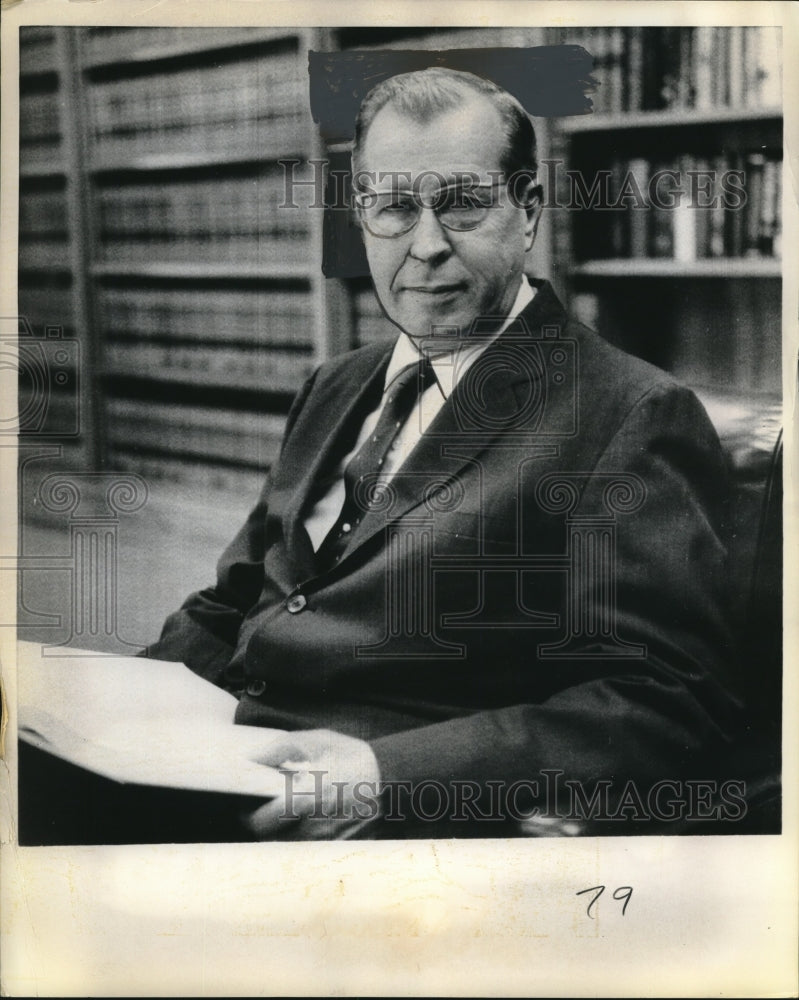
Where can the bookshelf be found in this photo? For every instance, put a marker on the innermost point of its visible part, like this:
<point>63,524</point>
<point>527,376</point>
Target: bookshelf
<point>208,297</point>
<point>52,286</point>
<point>619,122</point>
<point>150,221</point>
<point>677,259</point>
<point>653,267</point>
<point>150,229</point>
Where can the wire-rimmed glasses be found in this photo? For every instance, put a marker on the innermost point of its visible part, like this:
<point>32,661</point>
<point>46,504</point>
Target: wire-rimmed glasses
<point>458,206</point>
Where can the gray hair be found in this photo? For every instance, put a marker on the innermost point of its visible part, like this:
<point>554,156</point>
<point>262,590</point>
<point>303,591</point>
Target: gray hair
<point>424,94</point>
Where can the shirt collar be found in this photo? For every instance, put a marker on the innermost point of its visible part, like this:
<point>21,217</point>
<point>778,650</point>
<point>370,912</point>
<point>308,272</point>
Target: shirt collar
<point>447,374</point>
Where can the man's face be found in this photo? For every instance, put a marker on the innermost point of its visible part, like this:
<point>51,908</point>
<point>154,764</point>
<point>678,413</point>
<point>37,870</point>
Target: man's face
<point>432,275</point>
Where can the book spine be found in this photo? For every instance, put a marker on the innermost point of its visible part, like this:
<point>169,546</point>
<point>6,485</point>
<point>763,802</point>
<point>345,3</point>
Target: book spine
<point>614,75</point>
<point>770,67</point>
<point>661,214</point>
<point>777,213</point>
<point>619,219</point>
<point>652,84</point>
<point>598,45</point>
<point>703,67</point>
<point>721,76</point>
<point>635,69</point>
<point>670,82</point>
<point>231,435</point>
<point>767,224</point>
<point>204,366</point>
<point>703,206</point>
<point>43,213</point>
<point>755,165</point>
<point>685,237</point>
<point>44,305</point>
<point>734,235</point>
<point>116,45</point>
<point>228,220</point>
<point>208,315</point>
<point>703,56</point>
<point>36,50</point>
<point>639,209</point>
<point>751,67</point>
<point>685,71</point>
<point>204,477</point>
<point>255,104</point>
<point>735,97</point>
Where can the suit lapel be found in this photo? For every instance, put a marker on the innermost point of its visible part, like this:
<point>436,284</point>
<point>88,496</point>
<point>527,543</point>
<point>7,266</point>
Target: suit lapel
<point>313,446</point>
<point>458,435</point>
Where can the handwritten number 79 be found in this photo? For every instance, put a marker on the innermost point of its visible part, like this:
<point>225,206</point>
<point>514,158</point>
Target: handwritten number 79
<point>623,892</point>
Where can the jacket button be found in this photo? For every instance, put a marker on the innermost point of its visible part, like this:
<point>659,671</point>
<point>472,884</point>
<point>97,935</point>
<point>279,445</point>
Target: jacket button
<point>256,688</point>
<point>296,603</point>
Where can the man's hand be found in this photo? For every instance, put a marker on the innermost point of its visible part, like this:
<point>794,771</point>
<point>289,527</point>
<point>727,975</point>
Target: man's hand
<point>331,787</point>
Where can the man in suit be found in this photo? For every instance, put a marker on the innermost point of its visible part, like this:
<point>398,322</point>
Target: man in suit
<point>488,558</point>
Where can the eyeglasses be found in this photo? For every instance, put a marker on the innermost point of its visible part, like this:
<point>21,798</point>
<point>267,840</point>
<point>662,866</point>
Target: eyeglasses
<point>388,214</point>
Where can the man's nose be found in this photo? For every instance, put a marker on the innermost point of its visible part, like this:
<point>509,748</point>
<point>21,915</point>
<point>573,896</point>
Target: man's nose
<point>429,238</point>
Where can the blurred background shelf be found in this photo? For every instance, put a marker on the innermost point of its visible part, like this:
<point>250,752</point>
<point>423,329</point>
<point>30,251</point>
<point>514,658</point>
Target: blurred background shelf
<point>677,118</point>
<point>114,47</point>
<point>205,270</point>
<point>642,267</point>
<point>152,232</point>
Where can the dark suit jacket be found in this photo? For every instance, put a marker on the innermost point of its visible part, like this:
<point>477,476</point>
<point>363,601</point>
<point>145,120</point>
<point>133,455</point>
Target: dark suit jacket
<point>512,610</point>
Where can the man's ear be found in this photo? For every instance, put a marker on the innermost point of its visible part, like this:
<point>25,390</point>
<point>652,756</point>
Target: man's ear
<point>533,197</point>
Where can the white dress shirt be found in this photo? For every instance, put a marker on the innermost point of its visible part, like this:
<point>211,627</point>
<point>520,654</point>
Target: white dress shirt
<point>449,368</point>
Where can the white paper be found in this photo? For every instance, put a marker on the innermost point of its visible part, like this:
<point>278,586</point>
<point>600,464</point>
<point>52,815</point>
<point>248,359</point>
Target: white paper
<point>146,722</point>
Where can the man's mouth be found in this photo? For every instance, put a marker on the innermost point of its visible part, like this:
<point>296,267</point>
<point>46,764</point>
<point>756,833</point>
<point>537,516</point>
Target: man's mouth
<point>435,289</point>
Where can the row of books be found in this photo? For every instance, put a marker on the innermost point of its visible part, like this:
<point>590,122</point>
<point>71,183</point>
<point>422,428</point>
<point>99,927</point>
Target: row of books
<point>218,91</point>
<point>40,132</point>
<point>43,212</point>
<point>686,208</point>
<point>33,35</point>
<point>44,254</point>
<point>642,69</point>
<point>63,418</point>
<point>36,49</point>
<point>43,159</point>
<point>255,254</point>
<point>716,346</point>
<point>733,341</point>
<point>236,206</point>
<point>44,305</point>
<point>208,315</point>
<point>235,219</point>
<point>119,44</point>
<point>203,365</point>
<point>284,132</point>
<point>202,477</point>
<point>729,337</point>
<point>245,437</point>
<point>39,117</point>
<point>255,104</point>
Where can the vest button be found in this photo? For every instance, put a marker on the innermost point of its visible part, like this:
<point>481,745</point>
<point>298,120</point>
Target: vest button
<point>256,688</point>
<point>296,603</point>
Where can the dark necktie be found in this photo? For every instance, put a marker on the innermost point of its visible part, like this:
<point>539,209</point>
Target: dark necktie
<point>368,460</point>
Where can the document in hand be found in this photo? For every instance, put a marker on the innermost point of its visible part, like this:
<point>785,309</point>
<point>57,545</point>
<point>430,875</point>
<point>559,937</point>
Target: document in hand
<point>139,721</point>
